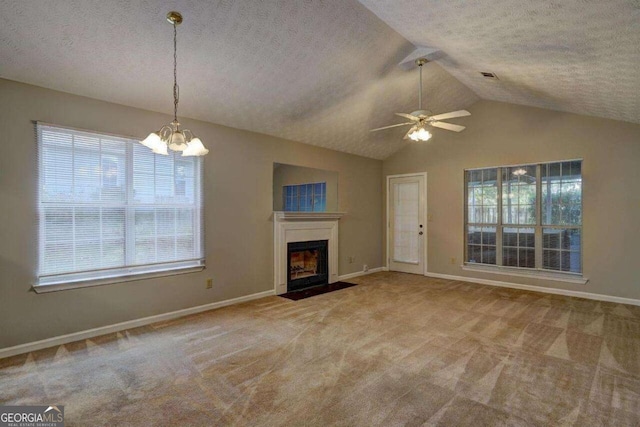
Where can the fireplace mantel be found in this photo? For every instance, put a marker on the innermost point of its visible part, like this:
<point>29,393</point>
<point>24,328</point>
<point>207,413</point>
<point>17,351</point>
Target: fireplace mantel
<point>307,216</point>
<point>300,227</point>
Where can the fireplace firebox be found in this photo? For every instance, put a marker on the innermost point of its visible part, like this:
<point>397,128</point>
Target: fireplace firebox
<point>307,264</point>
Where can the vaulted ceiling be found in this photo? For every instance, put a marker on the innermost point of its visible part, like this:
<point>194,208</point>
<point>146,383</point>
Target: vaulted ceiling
<point>325,72</point>
<point>580,56</point>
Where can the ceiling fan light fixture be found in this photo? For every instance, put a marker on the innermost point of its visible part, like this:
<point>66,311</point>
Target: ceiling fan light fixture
<point>420,134</point>
<point>171,136</point>
<point>420,119</point>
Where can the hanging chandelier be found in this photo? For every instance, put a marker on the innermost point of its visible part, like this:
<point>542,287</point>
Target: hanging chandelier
<point>171,136</point>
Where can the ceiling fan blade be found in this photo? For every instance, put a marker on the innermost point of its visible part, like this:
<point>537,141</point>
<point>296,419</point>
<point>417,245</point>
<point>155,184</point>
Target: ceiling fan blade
<point>392,126</point>
<point>410,130</point>
<point>451,115</point>
<point>408,116</point>
<point>447,126</point>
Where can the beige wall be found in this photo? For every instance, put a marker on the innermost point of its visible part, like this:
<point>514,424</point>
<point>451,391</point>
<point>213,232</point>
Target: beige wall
<point>238,211</point>
<point>292,175</point>
<point>505,134</point>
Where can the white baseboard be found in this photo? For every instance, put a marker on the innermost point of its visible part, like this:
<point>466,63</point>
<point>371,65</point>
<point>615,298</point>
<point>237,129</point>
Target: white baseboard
<point>361,273</point>
<point>90,333</point>
<point>579,294</point>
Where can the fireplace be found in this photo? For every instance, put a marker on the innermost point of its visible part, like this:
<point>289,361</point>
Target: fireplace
<point>307,264</point>
<point>296,227</point>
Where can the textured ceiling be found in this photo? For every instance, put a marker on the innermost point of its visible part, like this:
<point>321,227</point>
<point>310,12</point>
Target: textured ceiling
<point>581,56</point>
<point>323,72</point>
<point>319,72</point>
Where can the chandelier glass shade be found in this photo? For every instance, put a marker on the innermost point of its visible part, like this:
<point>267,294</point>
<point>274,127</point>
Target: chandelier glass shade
<point>171,136</point>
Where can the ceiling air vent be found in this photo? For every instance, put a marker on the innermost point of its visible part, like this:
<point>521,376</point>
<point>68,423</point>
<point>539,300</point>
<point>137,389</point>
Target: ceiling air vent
<point>489,75</point>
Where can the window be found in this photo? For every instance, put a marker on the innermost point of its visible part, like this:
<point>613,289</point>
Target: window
<point>527,217</point>
<point>305,197</point>
<point>109,207</point>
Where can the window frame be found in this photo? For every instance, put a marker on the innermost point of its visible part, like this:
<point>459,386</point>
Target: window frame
<point>538,270</point>
<point>129,271</point>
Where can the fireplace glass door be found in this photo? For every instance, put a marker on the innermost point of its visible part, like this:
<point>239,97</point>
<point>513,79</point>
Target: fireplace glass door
<point>307,264</point>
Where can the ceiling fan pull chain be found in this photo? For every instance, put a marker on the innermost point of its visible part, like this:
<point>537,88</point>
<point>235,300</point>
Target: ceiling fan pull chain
<point>420,90</point>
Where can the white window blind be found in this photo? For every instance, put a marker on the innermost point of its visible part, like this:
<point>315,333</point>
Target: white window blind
<point>109,207</point>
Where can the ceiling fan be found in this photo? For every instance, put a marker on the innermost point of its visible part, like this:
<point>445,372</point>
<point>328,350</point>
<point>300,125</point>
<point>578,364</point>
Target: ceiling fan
<point>420,118</point>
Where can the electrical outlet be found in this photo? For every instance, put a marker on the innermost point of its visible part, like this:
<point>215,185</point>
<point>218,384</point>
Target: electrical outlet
<point>209,283</point>
<point>453,260</point>
<point>365,267</point>
<point>351,259</point>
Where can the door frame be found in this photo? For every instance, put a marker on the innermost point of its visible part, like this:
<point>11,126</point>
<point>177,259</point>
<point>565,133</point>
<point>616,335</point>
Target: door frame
<point>424,219</point>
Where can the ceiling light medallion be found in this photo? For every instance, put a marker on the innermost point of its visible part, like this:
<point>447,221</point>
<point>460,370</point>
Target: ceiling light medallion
<point>171,136</point>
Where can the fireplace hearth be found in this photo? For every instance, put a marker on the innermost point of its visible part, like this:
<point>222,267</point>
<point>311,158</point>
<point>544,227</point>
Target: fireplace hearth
<point>307,264</point>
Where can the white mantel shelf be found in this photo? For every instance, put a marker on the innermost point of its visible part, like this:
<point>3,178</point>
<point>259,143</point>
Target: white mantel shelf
<point>289,227</point>
<point>307,216</point>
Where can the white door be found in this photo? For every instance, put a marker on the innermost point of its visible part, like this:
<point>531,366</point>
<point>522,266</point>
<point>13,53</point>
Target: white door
<point>407,230</point>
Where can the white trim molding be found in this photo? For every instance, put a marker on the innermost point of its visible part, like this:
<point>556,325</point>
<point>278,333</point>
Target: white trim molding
<point>90,333</point>
<point>361,273</point>
<point>109,280</point>
<point>578,294</point>
<point>308,216</point>
<point>520,272</point>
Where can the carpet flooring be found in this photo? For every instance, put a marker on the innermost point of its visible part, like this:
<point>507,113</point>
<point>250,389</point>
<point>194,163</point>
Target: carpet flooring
<point>398,350</point>
<point>316,290</point>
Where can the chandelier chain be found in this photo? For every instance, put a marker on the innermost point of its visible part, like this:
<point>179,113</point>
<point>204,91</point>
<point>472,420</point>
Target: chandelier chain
<point>176,89</point>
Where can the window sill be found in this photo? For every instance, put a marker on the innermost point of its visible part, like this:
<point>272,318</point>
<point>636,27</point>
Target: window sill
<point>536,274</point>
<point>85,283</point>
